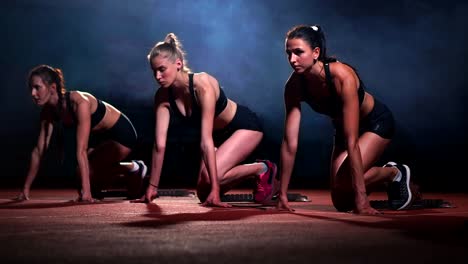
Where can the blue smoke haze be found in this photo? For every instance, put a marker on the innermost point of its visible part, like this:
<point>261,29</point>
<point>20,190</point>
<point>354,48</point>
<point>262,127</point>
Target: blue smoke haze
<point>410,54</point>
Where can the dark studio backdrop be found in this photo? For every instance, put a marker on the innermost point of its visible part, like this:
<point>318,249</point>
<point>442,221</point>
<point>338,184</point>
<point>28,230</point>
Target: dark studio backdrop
<point>411,55</point>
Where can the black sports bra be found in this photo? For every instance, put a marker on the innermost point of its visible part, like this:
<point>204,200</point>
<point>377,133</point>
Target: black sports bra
<point>96,117</point>
<point>335,105</point>
<point>221,103</point>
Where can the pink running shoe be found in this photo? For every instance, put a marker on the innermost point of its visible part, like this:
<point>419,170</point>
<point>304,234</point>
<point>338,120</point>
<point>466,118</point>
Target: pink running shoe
<point>266,183</point>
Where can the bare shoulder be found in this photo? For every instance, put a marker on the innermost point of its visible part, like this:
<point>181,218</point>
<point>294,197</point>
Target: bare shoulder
<point>78,97</point>
<point>341,70</point>
<point>203,77</point>
<point>203,81</point>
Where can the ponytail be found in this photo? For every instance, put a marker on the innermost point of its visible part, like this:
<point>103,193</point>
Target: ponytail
<point>314,36</point>
<point>171,47</point>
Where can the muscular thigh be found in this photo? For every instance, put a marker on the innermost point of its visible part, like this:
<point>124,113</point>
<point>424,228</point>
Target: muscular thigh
<point>236,149</point>
<point>371,146</point>
<point>233,151</point>
<point>229,154</point>
<point>107,154</point>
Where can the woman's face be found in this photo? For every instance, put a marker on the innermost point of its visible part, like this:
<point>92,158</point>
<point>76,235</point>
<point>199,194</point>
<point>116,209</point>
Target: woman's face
<point>40,91</point>
<point>164,70</point>
<point>300,55</point>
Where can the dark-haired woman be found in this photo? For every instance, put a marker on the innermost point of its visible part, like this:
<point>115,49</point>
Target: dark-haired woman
<point>363,125</point>
<point>104,135</point>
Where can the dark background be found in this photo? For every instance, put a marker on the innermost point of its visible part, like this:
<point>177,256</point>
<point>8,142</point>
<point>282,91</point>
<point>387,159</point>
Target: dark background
<point>411,55</point>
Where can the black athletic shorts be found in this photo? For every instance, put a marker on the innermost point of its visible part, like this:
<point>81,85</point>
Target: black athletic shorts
<point>122,132</point>
<point>379,121</point>
<point>243,119</point>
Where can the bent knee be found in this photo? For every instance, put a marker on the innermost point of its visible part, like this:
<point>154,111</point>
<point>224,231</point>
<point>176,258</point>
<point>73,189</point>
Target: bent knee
<point>203,190</point>
<point>342,199</point>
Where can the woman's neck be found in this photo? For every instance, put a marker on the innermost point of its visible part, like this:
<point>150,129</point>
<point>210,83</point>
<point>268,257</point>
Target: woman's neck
<point>56,104</point>
<point>315,71</point>
<point>181,83</point>
<point>53,100</point>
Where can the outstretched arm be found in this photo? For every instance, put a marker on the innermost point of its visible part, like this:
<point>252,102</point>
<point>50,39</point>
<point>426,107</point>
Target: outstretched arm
<point>207,99</point>
<point>349,97</point>
<point>162,118</point>
<point>37,154</point>
<point>292,101</point>
<point>83,116</point>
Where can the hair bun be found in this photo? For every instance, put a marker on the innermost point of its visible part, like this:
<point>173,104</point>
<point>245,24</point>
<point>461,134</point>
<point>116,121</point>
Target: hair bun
<point>171,39</point>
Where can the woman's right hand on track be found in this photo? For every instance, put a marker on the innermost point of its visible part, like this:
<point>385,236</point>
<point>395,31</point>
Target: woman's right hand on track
<point>23,196</point>
<point>148,197</point>
<point>283,203</point>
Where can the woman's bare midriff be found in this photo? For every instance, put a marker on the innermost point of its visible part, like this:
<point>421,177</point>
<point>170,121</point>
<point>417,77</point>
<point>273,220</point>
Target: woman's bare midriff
<point>110,117</point>
<point>226,116</point>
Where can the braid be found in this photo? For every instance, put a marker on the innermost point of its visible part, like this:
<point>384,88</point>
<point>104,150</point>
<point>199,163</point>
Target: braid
<point>60,84</point>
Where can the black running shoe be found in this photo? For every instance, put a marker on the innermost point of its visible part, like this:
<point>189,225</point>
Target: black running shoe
<point>143,169</point>
<point>97,193</point>
<point>390,164</point>
<point>399,192</point>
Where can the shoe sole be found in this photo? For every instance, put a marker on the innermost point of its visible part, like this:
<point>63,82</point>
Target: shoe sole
<point>410,195</point>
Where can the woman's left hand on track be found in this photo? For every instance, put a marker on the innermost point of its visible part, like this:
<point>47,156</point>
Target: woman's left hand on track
<point>23,196</point>
<point>213,200</point>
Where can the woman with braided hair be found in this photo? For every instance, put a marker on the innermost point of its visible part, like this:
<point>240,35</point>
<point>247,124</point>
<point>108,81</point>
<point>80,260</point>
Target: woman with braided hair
<point>229,132</point>
<point>363,125</point>
<point>104,135</point>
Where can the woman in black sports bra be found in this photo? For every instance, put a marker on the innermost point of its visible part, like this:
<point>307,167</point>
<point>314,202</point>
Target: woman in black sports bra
<point>197,100</point>
<point>104,135</point>
<point>363,125</point>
